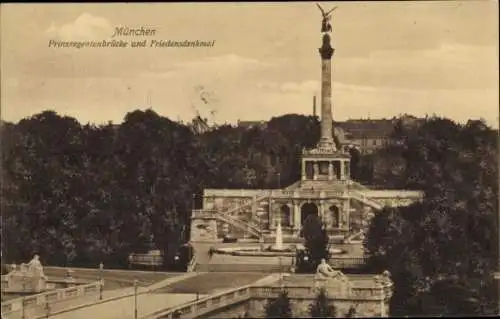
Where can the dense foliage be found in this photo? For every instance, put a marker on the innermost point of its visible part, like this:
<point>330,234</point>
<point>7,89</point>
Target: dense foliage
<point>279,307</point>
<point>322,307</point>
<point>441,252</point>
<point>315,243</point>
<point>81,194</point>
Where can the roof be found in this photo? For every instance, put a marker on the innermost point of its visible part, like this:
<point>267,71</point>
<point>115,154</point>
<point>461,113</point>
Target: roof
<point>366,128</point>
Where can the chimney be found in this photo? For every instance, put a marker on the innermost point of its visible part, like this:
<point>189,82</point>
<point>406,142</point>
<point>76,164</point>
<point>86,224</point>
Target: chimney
<point>314,106</point>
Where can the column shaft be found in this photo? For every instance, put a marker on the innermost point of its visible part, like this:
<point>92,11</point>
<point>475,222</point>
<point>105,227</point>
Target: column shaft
<point>341,173</point>
<point>304,163</point>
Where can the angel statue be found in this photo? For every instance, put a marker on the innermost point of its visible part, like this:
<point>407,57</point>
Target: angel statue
<point>325,25</point>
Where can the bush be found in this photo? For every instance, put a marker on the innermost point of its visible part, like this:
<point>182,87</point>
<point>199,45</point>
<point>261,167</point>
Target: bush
<point>279,308</point>
<point>321,307</point>
<point>316,243</point>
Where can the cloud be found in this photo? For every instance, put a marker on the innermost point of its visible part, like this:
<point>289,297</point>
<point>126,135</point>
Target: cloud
<point>448,66</point>
<point>362,101</point>
<point>216,67</point>
<point>223,78</point>
<point>230,61</point>
<point>85,27</point>
<point>308,87</point>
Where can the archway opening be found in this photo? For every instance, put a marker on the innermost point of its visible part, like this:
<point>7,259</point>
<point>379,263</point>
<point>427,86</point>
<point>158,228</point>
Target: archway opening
<point>307,210</point>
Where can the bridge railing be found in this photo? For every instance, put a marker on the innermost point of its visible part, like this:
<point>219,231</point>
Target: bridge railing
<point>47,298</point>
<point>194,309</point>
<point>146,259</point>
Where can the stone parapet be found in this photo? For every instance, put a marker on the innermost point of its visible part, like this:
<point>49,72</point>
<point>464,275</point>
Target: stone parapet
<point>369,296</point>
<point>19,305</point>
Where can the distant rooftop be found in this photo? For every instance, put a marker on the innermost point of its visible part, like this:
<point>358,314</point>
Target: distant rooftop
<point>250,124</point>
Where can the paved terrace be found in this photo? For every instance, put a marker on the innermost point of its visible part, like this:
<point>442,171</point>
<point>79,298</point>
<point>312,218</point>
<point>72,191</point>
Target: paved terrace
<point>174,290</point>
<point>164,295</point>
<point>115,280</point>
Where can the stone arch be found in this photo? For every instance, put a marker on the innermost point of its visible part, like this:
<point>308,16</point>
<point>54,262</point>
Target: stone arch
<point>306,210</point>
<point>334,216</point>
<point>285,215</point>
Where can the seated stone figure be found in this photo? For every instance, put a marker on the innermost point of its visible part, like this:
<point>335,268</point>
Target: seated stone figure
<point>324,270</point>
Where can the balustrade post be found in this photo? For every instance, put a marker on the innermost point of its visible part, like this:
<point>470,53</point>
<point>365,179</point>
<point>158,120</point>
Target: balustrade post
<point>101,280</point>
<point>135,298</point>
<point>47,308</point>
<point>23,315</point>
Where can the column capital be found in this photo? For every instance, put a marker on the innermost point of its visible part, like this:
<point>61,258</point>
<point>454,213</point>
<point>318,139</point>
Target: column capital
<point>326,50</point>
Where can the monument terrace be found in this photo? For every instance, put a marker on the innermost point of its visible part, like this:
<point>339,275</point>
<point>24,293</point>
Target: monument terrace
<point>325,189</point>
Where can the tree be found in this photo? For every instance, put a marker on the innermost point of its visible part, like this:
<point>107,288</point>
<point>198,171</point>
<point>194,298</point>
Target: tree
<point>315,240</point>
<point>351,313</point>
<point>321,307</point>
<point>447,244</point>
<point>280,307</point>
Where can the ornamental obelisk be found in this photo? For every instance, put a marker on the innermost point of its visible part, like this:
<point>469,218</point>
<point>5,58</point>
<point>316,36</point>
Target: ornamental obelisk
<point>326,52</point>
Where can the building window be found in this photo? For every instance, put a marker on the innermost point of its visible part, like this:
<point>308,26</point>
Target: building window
<point>374,142</point>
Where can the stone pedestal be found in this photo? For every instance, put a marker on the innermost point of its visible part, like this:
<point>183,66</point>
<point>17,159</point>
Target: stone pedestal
<point>338,286</point>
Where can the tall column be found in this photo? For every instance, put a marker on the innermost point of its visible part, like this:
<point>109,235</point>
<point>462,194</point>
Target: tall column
<point>296,216</point>
<point>330,171</point>
<point>316,170</point>
<point>322,210</point>
<point>342,176</point>
<point>347,170</point>
<point>326,52</point>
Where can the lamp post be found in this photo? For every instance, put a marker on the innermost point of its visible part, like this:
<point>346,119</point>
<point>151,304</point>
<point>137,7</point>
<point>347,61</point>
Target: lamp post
<point>101,280</point>
<point>135,298</point>
<point>279,180</point>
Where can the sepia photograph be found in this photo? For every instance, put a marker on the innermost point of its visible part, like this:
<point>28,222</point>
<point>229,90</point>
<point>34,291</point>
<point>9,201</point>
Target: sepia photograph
<point>249,160</point>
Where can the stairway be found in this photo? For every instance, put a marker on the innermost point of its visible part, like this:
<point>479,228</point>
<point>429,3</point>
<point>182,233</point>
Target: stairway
<point>357,236</point>
<point>242,220</point>
<point>366,200</point>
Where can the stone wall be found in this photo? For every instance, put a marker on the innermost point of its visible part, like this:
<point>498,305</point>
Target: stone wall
<point>255,308</point>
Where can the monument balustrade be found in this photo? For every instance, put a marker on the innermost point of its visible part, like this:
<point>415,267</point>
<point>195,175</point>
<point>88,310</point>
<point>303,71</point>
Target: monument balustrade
<point>204,305</point>
<point>299,287</point>
<point>19,304</point>
<point>231,192</point>
<point>390,194</point>
<point>145,259</point>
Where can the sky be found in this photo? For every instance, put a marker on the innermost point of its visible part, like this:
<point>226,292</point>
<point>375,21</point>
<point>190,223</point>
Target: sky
<point>422,57</point>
